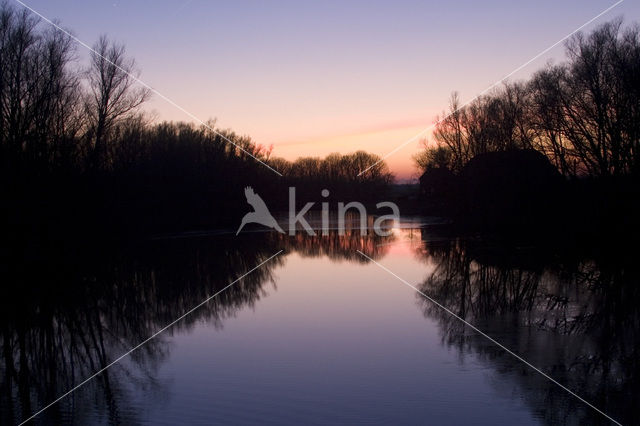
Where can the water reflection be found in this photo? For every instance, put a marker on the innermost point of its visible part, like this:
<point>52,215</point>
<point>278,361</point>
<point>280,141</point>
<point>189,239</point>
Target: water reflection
<point>337,247</point>
<point>67,315</point>
<point>575,318</point>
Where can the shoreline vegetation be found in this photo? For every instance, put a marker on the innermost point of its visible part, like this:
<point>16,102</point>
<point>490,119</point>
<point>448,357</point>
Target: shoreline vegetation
<point>540,180</point>
<point>80,160</point>
<point>56,335</point>
<point>556,155</point>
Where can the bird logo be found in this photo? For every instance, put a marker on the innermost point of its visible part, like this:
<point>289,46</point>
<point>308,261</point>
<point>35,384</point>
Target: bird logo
<point>260,213</point>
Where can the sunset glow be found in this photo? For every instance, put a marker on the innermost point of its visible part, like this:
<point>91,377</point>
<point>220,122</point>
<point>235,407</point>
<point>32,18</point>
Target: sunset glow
<point>337,212</point>
<point>314,79</point>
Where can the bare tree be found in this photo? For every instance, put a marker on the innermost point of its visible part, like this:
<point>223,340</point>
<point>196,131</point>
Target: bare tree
<point>433,157</point>
<point>112,92</point>
<point>583,115</point>
<point>588,109</point>
<point>38,90</point>
<point>18,40</point>
<point>449,132</point>
<point>495,122</point>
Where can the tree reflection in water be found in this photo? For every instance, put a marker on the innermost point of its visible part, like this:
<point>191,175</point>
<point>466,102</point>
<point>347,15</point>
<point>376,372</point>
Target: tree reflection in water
<point>575,318</point>
<point>67,315</point>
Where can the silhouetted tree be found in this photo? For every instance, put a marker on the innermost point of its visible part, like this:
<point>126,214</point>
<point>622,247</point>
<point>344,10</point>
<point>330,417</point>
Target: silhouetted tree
<point>38,90</point>
<point>433,157</point>
<point>583,114</point>
<point>113,95</point>
<point>591,104</point>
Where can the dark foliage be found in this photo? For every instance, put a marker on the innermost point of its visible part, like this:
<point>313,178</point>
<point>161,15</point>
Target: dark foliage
<point>582,115</point>
<point>78,158</point>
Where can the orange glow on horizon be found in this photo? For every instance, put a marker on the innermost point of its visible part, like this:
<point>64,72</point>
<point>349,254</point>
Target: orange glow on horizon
<point>379,140</point>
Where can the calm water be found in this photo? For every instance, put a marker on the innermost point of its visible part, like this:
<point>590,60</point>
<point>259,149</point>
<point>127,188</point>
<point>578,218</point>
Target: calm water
<point>320,335</point>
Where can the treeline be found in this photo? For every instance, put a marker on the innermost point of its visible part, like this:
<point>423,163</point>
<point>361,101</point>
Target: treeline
<point>582,114</point>
<point>78,153</point>
<point>339,174</point>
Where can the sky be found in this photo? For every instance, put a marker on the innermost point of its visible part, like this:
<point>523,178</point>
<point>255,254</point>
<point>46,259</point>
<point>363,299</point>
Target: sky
<point>312,78</point>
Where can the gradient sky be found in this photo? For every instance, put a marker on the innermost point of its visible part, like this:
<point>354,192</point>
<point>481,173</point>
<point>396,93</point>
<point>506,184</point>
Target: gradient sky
<point>313,78</point>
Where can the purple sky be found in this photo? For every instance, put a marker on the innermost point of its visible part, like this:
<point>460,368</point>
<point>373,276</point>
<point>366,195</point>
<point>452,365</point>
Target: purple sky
<point>318,77</point>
